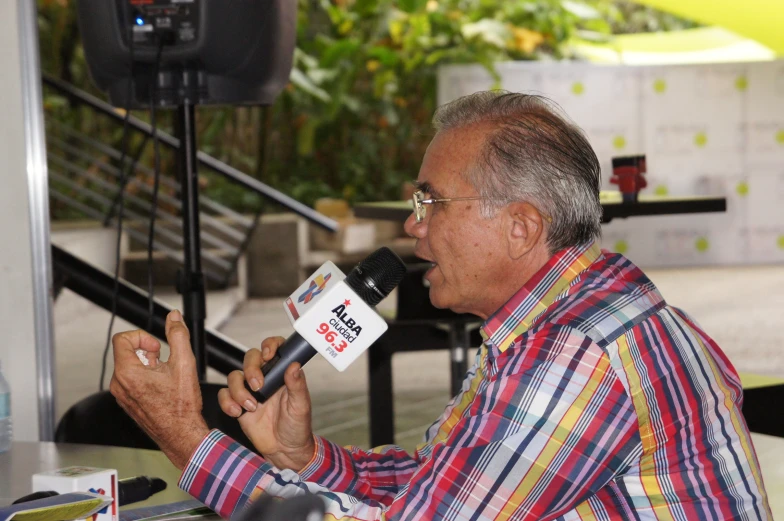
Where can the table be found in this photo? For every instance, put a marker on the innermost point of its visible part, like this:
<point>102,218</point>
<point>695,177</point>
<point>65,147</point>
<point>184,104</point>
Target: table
<point>18,465</point>
<point>611,203</point>
<point>26,458</point>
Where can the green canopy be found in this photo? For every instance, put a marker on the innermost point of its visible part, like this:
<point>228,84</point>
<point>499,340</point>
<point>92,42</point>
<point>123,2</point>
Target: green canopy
<point>760,20</point>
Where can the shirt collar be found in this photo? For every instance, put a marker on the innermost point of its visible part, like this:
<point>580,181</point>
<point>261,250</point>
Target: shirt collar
<point>516,316</point>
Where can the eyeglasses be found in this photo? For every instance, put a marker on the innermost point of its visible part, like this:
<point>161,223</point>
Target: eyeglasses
<point>420,202</point>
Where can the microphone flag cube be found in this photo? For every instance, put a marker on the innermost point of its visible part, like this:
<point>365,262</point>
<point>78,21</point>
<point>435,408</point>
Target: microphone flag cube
<point>332,318</point>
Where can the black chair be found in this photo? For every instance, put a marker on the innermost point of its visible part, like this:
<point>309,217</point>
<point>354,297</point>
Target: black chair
<point>417,326</point>
<point>99,420</point>
<point>761,412</point>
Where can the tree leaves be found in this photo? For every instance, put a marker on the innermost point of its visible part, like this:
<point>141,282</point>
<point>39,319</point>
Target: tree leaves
<point>411,6</point>
<point>306,84</point>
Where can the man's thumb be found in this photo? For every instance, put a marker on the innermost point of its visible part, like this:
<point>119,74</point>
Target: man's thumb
<point>178,336</point>
<point>299,397</point>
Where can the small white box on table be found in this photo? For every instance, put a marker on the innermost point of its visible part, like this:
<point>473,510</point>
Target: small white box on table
<point>82,479</point>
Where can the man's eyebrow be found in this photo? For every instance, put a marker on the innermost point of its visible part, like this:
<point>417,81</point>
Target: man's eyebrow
<point>427,188</point>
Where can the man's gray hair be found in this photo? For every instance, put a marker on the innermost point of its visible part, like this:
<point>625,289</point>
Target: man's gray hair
<point>536,154</point>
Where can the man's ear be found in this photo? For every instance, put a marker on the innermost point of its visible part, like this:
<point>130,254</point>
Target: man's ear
<point>525,230</point>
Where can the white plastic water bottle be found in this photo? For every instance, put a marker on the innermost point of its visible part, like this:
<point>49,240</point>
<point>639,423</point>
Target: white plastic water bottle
<point>5,412</point>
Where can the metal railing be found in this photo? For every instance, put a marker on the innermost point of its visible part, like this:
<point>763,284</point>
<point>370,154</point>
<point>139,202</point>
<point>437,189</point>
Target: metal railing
<point>86,166</point>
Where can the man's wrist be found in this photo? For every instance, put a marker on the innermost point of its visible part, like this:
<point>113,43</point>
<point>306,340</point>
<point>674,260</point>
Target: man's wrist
<point>180,450</point>
<point>295,460</point>
<point>306,455</point>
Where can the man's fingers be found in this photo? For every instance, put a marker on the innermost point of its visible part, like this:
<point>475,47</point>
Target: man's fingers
<point>255,358</point>
<point>238,393</point>
<point>119,391</point>
<point>251,367</point>
<point>115,388</point>
<point>179,338</point>
<point>299,396</point>
<point>227,404</point>
<point>151,359</point>
<point>269,346</point>
<point>126,344</point>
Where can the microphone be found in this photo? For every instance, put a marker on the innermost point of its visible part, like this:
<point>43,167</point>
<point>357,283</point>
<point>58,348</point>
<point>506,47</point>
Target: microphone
<point>335,317</point>
<point>131,490</point>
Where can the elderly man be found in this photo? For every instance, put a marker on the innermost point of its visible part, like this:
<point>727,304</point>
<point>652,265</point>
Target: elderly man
<point>591,397</point>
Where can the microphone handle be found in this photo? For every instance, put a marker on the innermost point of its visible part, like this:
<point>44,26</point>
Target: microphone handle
<point>132,490</point>
<point>294,349</point>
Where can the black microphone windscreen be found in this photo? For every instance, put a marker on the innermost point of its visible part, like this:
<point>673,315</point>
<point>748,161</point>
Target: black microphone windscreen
<point>376,275</point>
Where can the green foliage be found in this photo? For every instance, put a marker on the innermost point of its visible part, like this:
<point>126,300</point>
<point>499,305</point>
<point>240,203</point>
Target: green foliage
<point>354,121</point>
<point>625,16</point>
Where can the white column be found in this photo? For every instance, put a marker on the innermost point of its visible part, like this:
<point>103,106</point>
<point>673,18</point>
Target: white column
<point>26,345</point>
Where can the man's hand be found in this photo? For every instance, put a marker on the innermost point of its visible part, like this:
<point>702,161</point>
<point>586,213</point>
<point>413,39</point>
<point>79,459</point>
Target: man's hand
<point>279,428</point>
<point>163,397</point>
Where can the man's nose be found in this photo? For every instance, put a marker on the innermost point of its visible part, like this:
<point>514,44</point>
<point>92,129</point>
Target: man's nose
<point>415,229</point>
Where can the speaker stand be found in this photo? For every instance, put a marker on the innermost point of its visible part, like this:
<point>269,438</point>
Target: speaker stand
<point>190,281</point>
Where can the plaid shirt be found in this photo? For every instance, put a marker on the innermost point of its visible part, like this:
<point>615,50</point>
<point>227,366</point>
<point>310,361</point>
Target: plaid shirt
<point>591,398</point>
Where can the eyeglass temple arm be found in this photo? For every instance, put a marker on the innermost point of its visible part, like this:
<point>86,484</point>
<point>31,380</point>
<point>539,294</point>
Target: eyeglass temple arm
<point>446,200</point>
<point>431,201</point>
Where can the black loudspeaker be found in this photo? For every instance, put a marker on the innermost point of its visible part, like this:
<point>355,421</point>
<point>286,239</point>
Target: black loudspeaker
<point>204,51</point>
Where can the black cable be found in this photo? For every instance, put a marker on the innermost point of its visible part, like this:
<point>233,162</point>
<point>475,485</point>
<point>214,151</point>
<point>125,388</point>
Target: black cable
<point>134,160</point>
<point>156,183</point>
<point>120,207</point>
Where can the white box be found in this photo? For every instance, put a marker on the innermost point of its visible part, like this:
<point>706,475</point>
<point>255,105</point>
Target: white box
<point>353,236</point>
<point>82,479</point>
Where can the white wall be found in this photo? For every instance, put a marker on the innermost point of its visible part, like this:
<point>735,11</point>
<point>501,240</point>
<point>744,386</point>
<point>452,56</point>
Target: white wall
<point>90,241</point>
<point>18,274</point>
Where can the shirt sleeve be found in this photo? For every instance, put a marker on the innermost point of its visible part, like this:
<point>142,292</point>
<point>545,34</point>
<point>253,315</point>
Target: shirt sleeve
<point>543,436</point>
<point>225,475</point>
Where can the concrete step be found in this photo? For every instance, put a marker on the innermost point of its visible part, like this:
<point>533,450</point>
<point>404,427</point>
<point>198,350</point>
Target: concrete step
<point>134,268</point>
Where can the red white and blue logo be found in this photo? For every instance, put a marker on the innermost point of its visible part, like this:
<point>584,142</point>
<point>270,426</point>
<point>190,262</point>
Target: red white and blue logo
<point>104,509</point>
<point>316,286</point>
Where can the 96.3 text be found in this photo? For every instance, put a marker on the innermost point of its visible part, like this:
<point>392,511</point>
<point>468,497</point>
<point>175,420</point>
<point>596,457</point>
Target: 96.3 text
<point>330,336</point>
